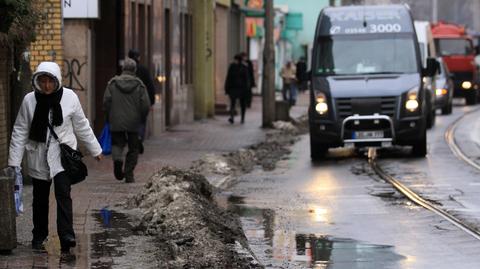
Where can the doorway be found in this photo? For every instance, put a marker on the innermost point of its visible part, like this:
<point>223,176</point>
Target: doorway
<point>107,48</point>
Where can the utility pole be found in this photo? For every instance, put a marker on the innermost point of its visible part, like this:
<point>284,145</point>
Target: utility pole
<point>435,11</point>
<point>268,80</point>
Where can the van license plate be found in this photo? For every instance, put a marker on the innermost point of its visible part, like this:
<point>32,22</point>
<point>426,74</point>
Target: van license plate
<point>368,134</point>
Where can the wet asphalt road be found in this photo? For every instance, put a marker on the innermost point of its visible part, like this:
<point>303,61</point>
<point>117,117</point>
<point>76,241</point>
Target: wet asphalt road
<point>338,214</point>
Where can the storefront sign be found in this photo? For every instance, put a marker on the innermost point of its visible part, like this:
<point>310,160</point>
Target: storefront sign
<point>81,9</point>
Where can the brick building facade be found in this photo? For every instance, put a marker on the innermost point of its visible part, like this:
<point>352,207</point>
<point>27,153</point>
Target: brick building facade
<point>49,42</point>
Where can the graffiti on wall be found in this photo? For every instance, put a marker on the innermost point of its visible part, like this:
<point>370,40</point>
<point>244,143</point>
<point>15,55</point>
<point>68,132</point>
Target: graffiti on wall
<point>72,72</point>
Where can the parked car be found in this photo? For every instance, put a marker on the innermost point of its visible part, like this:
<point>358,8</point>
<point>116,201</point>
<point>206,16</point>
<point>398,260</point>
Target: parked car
<point>445,88</point>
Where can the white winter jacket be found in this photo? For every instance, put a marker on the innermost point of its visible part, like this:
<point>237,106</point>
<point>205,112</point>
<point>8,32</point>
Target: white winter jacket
<point>41,165</point>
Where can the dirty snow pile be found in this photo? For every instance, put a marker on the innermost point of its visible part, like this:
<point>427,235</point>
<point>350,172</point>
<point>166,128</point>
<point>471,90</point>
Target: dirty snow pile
<point>285,126</point>
<point>265,154</point>
<point>177,207</point>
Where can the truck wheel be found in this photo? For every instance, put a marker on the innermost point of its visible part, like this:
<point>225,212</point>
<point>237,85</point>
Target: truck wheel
<point>471,98</point>
<point>447,110</point>
<point>419,147</point>
<point>431,112</point>
<point>317,150</point>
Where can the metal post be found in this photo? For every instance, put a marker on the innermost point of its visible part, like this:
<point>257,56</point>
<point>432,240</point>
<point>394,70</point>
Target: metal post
<point>268,82</point>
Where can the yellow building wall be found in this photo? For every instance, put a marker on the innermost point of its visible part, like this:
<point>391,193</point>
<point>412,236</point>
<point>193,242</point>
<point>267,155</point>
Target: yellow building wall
<point>204,62</point>
<point>49,43</point>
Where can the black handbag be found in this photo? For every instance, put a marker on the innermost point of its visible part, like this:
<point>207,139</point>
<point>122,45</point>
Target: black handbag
<point>71,160</point>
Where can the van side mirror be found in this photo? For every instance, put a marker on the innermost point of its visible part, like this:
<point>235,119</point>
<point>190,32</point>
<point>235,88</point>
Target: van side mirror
<point>432,67</point>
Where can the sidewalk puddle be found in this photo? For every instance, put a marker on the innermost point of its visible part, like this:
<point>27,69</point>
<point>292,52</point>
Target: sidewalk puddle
<point>109,243</point>
<point>278,246</point>
<point>117,245</point>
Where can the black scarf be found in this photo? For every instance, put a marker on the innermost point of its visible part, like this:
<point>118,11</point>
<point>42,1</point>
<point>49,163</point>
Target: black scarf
<point>45,102</point>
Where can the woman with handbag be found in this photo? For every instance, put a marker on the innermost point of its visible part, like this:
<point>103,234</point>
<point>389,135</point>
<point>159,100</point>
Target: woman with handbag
<point>49,116</point>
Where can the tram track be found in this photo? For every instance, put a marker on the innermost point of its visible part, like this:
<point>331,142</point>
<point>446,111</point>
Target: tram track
<point>450,138</point>
<point>417,198</point>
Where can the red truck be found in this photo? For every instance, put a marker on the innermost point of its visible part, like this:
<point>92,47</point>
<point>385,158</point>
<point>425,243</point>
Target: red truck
<point>455,46</point>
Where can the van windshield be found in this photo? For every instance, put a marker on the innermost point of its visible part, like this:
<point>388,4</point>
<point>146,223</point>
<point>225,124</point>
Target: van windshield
<point>365,54</point>
<point>453,46</point>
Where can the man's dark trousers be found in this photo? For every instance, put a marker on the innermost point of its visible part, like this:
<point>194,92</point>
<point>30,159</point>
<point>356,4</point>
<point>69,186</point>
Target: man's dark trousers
<point>119,140</point>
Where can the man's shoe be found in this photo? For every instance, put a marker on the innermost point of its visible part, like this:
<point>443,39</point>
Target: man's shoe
<point>129,178</point>
<point>67,242</point>
<point>38,244</point>
<point>118,170</point>
<point>230,120</point>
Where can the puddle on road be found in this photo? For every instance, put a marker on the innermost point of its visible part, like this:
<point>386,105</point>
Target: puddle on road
<point>281,248</point>
<point>331,252</point>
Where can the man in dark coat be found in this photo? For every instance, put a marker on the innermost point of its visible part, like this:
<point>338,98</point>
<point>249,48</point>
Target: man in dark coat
<point>126,105</point>
<point>302,75</point>
<point>237,86</point>
<point>144,75</point>
<point>251,75</point>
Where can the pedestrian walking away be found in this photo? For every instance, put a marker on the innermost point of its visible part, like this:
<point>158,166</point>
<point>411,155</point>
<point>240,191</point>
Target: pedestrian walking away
<point>289,91</point>
<point>50,104</point>
<point>302,74</point>
<point>251,76</point>
<point>144,75</point>
<point>237,86</point>
<point>126,105</point>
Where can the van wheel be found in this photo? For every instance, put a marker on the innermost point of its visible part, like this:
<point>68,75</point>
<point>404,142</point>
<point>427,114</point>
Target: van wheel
<point>431,119</point>
<point>317,150</point>
<point>447,110</point>
<point>419,147</point>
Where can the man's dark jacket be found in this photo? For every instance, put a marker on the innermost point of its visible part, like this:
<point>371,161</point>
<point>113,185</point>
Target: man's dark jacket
<point>237,83</point>
<point>144,75</point>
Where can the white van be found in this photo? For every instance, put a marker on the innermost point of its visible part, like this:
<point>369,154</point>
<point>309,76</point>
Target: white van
<point>427,50</point>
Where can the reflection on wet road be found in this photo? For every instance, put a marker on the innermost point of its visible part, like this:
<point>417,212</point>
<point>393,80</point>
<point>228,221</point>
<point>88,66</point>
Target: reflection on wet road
<point>309,250</point>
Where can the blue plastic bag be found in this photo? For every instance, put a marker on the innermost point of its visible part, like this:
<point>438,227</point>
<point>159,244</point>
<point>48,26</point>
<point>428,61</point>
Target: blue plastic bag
<point>105,140</point>
<point>18,190</point>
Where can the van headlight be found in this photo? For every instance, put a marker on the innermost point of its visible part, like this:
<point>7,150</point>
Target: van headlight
<point>321,105</point>
<point>412,100</point>
<point>466,85</point>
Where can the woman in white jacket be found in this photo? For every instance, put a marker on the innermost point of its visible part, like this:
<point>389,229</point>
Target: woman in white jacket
<point>50,103</point>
